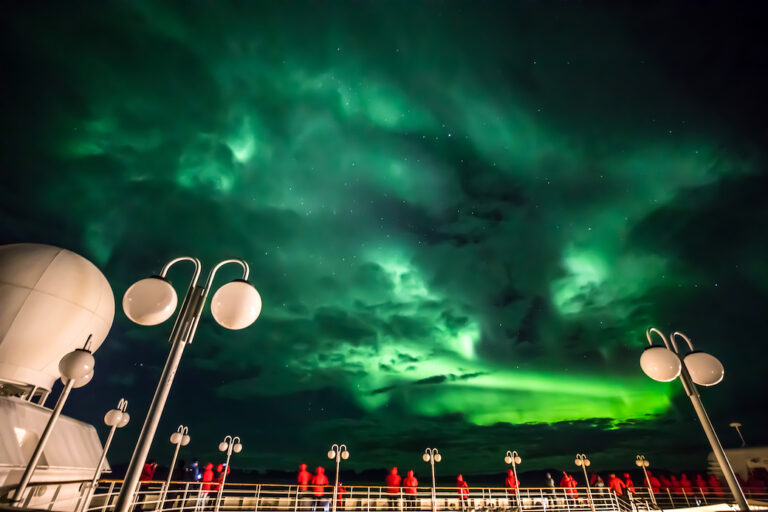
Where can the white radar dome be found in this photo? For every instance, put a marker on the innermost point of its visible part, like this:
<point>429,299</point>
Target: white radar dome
<point>51,299</point>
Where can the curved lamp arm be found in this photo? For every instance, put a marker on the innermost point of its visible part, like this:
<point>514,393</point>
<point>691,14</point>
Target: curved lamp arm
<point>653,330</point>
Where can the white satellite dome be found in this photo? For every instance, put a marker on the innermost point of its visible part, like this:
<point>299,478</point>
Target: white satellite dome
<point>51,299</point>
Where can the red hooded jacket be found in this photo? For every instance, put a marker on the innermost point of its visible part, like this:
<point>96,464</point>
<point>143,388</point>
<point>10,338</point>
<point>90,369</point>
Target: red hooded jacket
<point>714,484</point>
<point>207,476</point>
<point>220,476</point>
<point>147,472</point>
<point>616,484</point>
<point>686,484</point>
<point>410,483</point>
<point>655,483</point>
<point>463,487</point>
<point>511,482</point>
<point>304,477</point>
<point>675,484</point>
<point>393,482</point>
<point>700,483</point>
<point>340,496</point>
<point>319,480</point>
<point>628,483</point>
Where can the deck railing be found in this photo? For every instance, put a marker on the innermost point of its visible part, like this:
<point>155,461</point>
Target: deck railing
<point>235,497</point>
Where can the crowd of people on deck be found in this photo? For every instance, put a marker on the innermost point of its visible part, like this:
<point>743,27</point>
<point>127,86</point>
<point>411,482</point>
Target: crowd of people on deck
<point>315,489</point>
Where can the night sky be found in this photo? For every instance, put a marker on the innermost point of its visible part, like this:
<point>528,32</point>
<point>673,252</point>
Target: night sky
<point>461,217</point>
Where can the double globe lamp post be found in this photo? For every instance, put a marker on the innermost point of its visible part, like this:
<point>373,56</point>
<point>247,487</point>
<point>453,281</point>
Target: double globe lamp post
<point>583,462</point>
<point>337,453</point>
<point>642,462</point>
<point>665,364</point>
<point>229,444</point>
<point>76,369</point>
<point>514,459</point>
<point>153,300</point>
<point>115,418</point>
<point>179,438</point>
<point>431,455</point>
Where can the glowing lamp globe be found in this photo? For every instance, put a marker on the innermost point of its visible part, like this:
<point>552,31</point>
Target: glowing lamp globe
<point>331,454</point>
<point>223,446</point>
<point>704,369</point>
<point>345,455</point>
<point>425,457</point>
<point>124,421</point>
<point>237,448</point>
<point>577,462</point>
<point>176,438</point>
<point>150,301</point>
<point>185,439</point>
<point>113,418</point>
<point>76,365</point>
<point>51,300</point>
<point>508,459</point>
<point>660,364</point>
<point>638,463</point>
<point>236,305</point>
<point>518,460</point>
<point>438,457</point>
<point>587,463</point>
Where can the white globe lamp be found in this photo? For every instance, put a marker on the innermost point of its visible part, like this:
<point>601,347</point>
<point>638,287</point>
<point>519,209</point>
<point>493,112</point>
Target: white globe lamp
<point>236,305</point>
<point>704,369</point>
<point>660,364</point>
<point>150,301</point>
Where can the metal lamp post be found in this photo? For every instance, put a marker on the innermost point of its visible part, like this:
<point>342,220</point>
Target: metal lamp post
<point>664,364</point>
<point>431,455</point>
<point>229,444</point>
<point>76,370</point>
<point>338,452</point>
<point>514,459</point>
<point>153,300</point>
<point>584,462</point>
<point>115,418</point>
<point>179,438</point>
<point>642,462</point>
<point>737,426</point>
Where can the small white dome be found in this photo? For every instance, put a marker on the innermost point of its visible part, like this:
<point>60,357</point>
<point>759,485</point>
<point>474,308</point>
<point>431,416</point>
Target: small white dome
<point>51,299</point>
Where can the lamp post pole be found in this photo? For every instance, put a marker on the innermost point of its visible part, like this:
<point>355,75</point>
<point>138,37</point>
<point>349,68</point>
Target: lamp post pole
<point>229,444</point>
<point>665,364</point>
<point>115,418</point>
<point>338,452</point>
<point>431,455</point>
<point>514,459</point>
<point>179,438</point>
<point>152,301</point>
<point>583,461</point>
<point>642,462</point>
<point>76,370</point>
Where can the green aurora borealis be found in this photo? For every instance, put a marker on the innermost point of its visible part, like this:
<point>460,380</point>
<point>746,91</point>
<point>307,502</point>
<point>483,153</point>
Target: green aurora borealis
<point>461,218</point>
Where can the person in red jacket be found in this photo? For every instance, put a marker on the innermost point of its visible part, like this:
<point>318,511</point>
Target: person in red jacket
<point>205,487</point>
<point>714,485</point>
<point>148,471</point>
<point>675,484</point>
<point>511,482</point>
<point>393,488</point>
<point>655,483</point>
<point>615,484</point>
<point>463,491</point>
<point>220,475</point>
<point>686,484</point>
<point>666,483</point>
<point>410,483</point>
<point>628,483</point>
<point>340,496</point>
<point>303,479</point>
<point>700,483</point>
<point>319,481</point>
